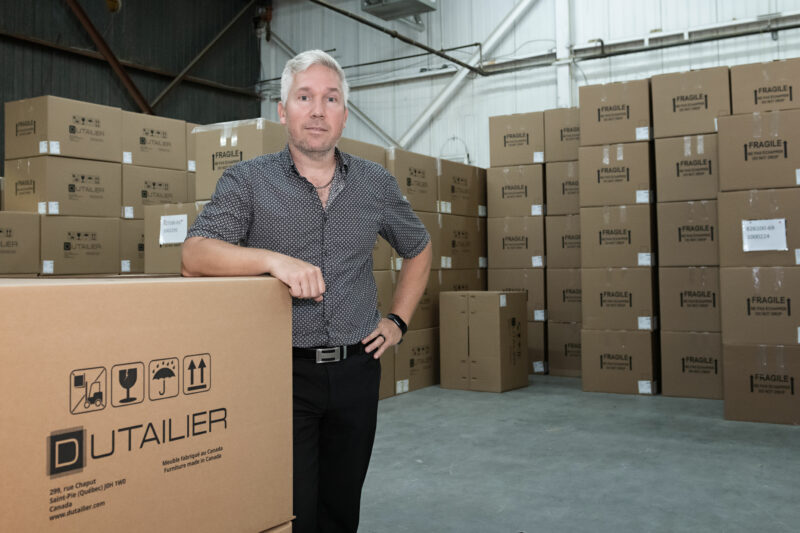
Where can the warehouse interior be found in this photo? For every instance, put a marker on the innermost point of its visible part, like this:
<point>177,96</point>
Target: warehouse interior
<point>605,341</point>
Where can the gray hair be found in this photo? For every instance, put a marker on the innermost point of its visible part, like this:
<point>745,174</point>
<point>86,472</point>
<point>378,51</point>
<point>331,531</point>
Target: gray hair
<point>302,62</point>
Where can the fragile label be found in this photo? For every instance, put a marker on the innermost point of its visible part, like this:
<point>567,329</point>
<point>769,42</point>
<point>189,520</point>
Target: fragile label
<point>645,260</point>
<point>537,261</point>
<point>642,197</point>
<point>125,265</point>
<point>645,387</point>
<point>643,133</point>
<point>52,208</point>
<point>538,157</point>
<point>764,235</point>
<point>539,315</point>
<point>47,267</point>
<point>536,210</point>
<point>127,158</point>
<point>173,229</point>
<point>646,323</point>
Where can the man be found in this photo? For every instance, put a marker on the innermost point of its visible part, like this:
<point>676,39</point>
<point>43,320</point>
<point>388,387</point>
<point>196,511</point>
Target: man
<point>309,216</point>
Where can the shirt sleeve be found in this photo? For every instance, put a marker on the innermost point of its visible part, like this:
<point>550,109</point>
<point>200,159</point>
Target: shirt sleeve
<point>400,226</point>
<point>228,216</point>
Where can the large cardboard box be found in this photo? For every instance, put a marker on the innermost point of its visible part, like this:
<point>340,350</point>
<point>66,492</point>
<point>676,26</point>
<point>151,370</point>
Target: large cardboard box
<point>416,360</point>
<point>426,314</point>
<point>165,229</point>
<point>138,411</point>
<point>687,168</point>
<point>516,139</point>
<point>463,242</point>
<point>617,236</point>
<point>691,364</point>
<point>484,341</point>
<point>191,148</point>
<point>759,228</point>
<point>615,174</point>
<point>688,103</point>
<point>417,175</point>
<point>615,112</point>
<point>79,245</point>
<point>370,152</point>
<point>529,280</point>
<point>516,191</point>
<point>564,294</point>
<point>131,246</point>
<point>384,285</point>
<point>387,385</point>
<point>19,243</point>
<point>220,146</point>
<point>564,348</point>
<point>462,280</point>
<point>757,305</point>
<point>434,223</point>
<point>561,188</point>
<point>461,189</point>
<point>516,242</point>
<point>283,528</point>
<point>537,348</point>
<point>143,186</point>
<point>689,298</point>
<point>563,241</point>
<point>759,151</point>
<point>58,126</point>
<point>622,362</point>
<point>153,141</point>
<point>382,255</point>
<point>562,134</point>
<point>758,87</point>
<point>2,193</point>
<point>688,233</point>
<point>619,298</point>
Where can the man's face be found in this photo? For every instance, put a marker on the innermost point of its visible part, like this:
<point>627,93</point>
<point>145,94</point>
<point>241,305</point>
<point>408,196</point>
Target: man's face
<point>314,113</point>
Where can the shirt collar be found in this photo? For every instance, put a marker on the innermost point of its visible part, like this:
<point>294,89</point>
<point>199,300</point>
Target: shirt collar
<point>342,161</point>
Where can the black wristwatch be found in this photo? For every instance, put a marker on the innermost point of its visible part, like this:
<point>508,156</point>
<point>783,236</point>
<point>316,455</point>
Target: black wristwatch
<point>400,324</point>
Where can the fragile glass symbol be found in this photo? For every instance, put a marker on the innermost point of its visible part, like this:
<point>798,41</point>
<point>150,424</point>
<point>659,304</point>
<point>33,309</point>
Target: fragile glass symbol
<point>127,379</point>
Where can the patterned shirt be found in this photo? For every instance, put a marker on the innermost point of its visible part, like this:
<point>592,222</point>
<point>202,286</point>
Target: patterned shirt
<point>266,203</point>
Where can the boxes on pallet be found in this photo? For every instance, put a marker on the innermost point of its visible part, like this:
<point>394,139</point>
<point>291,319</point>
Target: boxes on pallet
<point>619,298</point>
<point>19,243</point>
<point>516,191</point>
<point>142,186</point>
<point>461,189</point>
<point>561,188</point>
<point>686,168</point>
<point>417,176</point>
<point>758,87</point>
<point>615,112</point>
<point>387,385</point>
<point>622,362</point>
<point>564,294</point>
<point>165,229</point>
<point>564,348</point>
<point>153,141</point>
<point>689,298</point>
<point>463,242</point>
<point>131,246</point>
<point>79,245</point>
<point>563,241</point>
<point>615,174</point>
<point>537,348</point>
<point>516,242</point>
<point>416,360</point>
<point>529,280</point>
<point>462,280</point>
<point>691,364</point>
<point>617,236</point>
<point>516,139</point>
<point>562,134</point>
<point>370,152</point>
<point>688,234</point>
<point>688,103</point>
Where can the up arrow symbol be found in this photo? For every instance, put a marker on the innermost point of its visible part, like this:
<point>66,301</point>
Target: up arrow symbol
<point>202,367</point>
<point>191,369</point>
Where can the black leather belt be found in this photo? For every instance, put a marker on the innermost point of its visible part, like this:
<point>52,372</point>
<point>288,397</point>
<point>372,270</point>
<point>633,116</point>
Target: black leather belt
<point>331,354</point>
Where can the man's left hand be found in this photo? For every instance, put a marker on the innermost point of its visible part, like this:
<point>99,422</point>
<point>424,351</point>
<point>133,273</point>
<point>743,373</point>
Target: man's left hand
<point>385,335</point>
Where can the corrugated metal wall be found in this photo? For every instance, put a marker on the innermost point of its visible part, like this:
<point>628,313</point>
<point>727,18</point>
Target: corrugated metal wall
<point>464,121</point>
<point>165,35</point>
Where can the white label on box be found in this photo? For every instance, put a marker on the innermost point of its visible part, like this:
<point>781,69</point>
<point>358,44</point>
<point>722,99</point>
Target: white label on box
<point>645,387</point>
<point>536,210</point>
<point>127,211</point>
<point>539,315</point>
<point>55,147</point>
<point>173,229</point>
<point>405,197</point>
<point>398,263</point>
<point>797,256</point>
<point>642,197</point>
<point>447,262</point>
<point>47,267</point>
<point>42,147</point>
<point>401,386</point>
<point>502,300</point>
<point>538,367</point>
<point>538,157</point>
<point>483,262</point>
<point>537,261</point>
<point>191,164</point>
<point>646,323</point>
<point>798,335</point>
<point>482,209</point>
<point>52,208</point>
<point>797,175</point>
<point>767,235</point>
<point>223,141</point>
<point>127,158</point>
<point>645,260</point>
<point>42,208</point>
<point>445,207</point>
<point>715,124</point>
<point>234,140</point>
<point>125,265</point>
<point>643,133</point>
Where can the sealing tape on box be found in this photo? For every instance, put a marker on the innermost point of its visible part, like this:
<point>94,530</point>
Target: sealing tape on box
<point>643,197</point>
<point>481,210</point>
<point>538,157</point>
<point>537,261</point>
<point>42,207</point>
<point>687,146</point>
<point>606,155</point>
<point>643,133</point>
<point>620,152</point>
<point>125,265</point>
<point>538,367</point>
<point>52,208</point>
<point>55,147</point>
<point>716,128</point>
<point>645,260</point>
<point>47,267</point>
<point>191,165</point>
<point>502,300</point>
<point>701,147</point>
<point>42,147</point>
<point>645,387</point>
<point>539,315</point>
<point>536,210</point>
<point>260,123</point>
<point>646,323</point>
<point>127,158</point>
<point>798,335</point>
<point>234,140</point>
<point>223,140</point>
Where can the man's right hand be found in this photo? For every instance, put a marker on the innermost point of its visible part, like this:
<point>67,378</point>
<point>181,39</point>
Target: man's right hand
<point>304,279</point>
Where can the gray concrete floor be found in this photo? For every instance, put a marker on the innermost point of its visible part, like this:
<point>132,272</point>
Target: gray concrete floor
<point>553,458</point>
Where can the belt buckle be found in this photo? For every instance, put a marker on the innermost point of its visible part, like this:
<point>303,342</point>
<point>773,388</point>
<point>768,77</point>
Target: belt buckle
<point>329,355</point>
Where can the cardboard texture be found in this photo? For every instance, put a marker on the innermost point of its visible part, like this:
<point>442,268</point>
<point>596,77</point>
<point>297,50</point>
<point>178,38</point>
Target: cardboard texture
<point>433,222</point>
<point>153,141</point>
<point>691,364</point>
<point>516,139</point>
<point>529,280</point>
<point>687,168</point>
<point>617,236</point>
<point>142,186</point>
<point>537,348</point>
<point>615,174</point>
<point>516,242</point>
<point>58,126</point>
<point>387,375</point>
<point>615,112</point>
<point>564,348</point>
<point>461,189</point>
<point>131,246</point>
<point>759,151</point>
<point>416,360</point>
<point>761,383</point>
<point>688,233</point>
<point>562,134</point>
<point>516,191</point>
<point>564,294</point>
<point>563,241</point>
<point>426,314</point>
<point>758,87</point>
<point>191,186</point>
<point>191,148</point>
<point>382,255</point>
<point>384,284</point>
<point>417,175</point>
<point>757,305</point>
<point>619,298</point>
<point>463,242</point>
<point>19,243</point>
<point>759,228</point>
<point>462,280</point>
<point>622,362</point>
<point>284,528</point>
<point>689,298</point>
<point>136,414</point>
<point>79,245</point>
<point>561,188</point>
<point>64,186</point>
<point>165,229</point>
<point>492,356</point>
<point>688,103</point>
<point>370,152</point>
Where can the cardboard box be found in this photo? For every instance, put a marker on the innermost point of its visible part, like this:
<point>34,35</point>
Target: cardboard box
<point>426,314</point>
<point>416,360</point>
<point>58,126</point>
<point>165,229</point>
<point>615,112</point>
<point>434,223</point>
<point>387,375</point>
<point>759,151</point>
<point>689,298</point>
<point>463,242</point>
<point>563,241</point>
<point>2,193</point>
<point>462,280</point>
<point>757,305</point>
<point>191,186</point>
<point>564,294</point>
<point>515,191</point>
<point>622,362</point>
<point>516,139</point>
<point>759,228</point>
<point>516,242</point>
<point>688,234</point>
<point>561,188</point>
<point>142,186</point>
<point>220,146</point>
<point>758,87</point>
<point>461,189</point>
<point>153,141</point>
<point>564,348</point>
<point>537,348</point>
<point>382,255</point>
<point>191,148</point>
<point>19,243</point>
<point>691,364</point>
<point>617,236</point>
<point>562,134</point>
<point>688,103</point>
<point>616,174</point>
<point>528,280</point>
<point>687,168</point>
<point>619,298</point>
<point>417,175</point>
<point>370,152</point>
<point>79,245</point>
<point>128,426</point>
<point>384,284</point>
<point>64,186</point>
<point>283,528</point>
<point>761,383</point>
<point>131,246</point>
<point>492,355</point>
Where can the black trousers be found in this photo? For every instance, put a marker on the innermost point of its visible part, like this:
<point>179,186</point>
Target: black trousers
<point>335,412</point>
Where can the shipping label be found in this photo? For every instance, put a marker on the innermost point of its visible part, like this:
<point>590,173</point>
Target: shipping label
<point>764,235</point>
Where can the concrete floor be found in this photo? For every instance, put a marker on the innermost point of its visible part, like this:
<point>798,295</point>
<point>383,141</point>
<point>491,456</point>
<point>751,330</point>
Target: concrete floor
<point>553,458</point>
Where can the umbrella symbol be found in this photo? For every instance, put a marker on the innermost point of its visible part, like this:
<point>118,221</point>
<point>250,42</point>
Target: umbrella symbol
<point>162,374</point>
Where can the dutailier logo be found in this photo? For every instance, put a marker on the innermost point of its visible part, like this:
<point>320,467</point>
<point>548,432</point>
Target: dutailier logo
<point>66,451</point>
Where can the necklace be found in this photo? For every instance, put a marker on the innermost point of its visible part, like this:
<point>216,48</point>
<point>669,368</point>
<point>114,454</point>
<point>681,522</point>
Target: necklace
<point>325,186</point>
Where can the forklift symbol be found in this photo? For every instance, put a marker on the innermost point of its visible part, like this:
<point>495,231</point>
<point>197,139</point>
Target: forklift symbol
<point>88,390</point>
